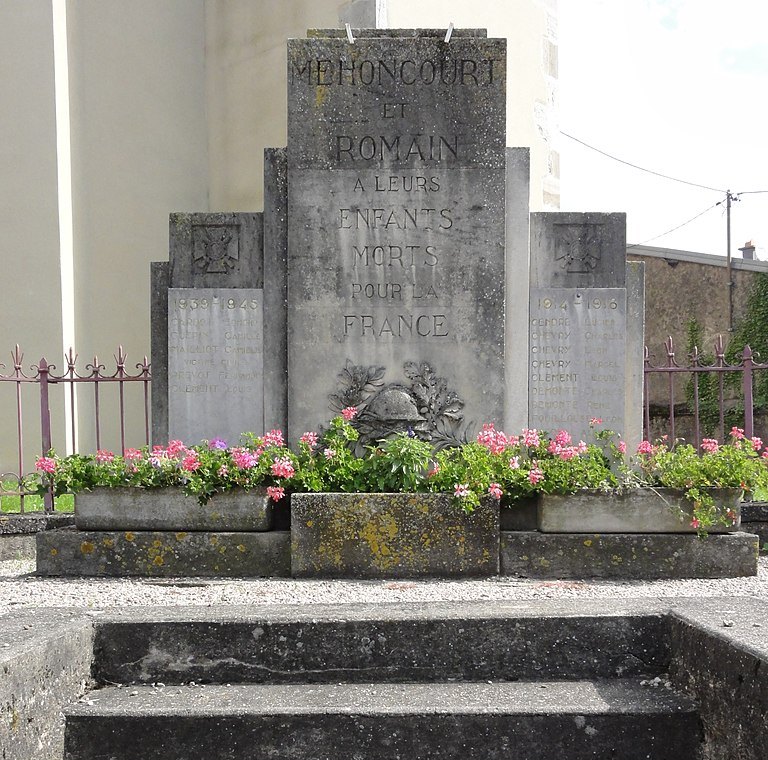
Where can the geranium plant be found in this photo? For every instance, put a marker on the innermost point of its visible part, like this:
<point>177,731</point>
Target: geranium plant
<point>495,466</point>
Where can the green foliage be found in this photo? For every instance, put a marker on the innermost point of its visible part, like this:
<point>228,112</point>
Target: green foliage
<point>709,400</point>
<point>752,331</point>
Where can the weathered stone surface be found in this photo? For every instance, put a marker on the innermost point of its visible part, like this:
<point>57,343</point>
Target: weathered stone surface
<point>578,250</point>
<point>516,293</point>
<point>754,511</point>
<point>45,661</point>
<point>215,363</point>
<point>760,529</point>
<point>577,720</point>
<point>216,250</point>
<point>721,659</point>
<point>442,641</point>
<point>159,554</point>
<point>17,547</point>
<point>643,510</point>
<point>171,509</point>
<point>396,228</point>
<point>577,359</point>
<point>275,289</point>
<point>33,522</point>
<point>160,281</point>
<point>391,536</point>
<point>579,364</point>
<point>629,556</point>
<point>520,515</point>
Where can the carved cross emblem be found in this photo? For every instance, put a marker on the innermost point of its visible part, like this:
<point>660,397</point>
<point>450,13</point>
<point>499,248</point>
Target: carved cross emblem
<point>215,248</point>
<point>579,247</point>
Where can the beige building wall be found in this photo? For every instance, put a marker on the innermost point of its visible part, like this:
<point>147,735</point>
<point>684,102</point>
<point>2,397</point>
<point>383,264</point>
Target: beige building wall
<point>30,306</point>
<point>246,89</point>
<point>139,152</point>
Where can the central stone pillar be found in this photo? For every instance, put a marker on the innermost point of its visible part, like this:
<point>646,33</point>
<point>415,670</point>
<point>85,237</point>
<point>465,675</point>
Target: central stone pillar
<point>396,235</point>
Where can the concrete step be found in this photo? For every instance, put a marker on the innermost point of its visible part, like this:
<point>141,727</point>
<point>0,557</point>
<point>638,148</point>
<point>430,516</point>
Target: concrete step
<point>392,643</point>
<point>467,721</point>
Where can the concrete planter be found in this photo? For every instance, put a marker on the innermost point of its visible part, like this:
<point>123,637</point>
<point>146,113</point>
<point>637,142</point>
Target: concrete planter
<point>379,535</point>
<point>644,510</point>
<point>171,509</point>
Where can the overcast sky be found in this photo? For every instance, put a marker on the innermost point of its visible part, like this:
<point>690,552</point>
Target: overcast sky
<point>679,87</point>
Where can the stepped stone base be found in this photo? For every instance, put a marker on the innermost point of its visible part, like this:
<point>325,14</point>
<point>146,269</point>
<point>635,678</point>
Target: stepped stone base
<point>466,721</point>
<point>628,555</point>
<point>755,520</point>
<point>163,554</point>
<point>17,531</point>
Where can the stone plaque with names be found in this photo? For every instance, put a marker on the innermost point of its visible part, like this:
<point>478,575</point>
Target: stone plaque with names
<point>396,232</point>
<point>577,359</point>
<point>215,363</point>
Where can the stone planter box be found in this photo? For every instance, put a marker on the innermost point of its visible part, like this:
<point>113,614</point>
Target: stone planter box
<point>391,536</point>
<point>171,509</point>
<point>644,510</point>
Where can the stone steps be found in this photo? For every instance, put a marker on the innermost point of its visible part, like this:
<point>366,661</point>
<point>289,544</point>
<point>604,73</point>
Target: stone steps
<point>525,720</point>
<point>384,643</point>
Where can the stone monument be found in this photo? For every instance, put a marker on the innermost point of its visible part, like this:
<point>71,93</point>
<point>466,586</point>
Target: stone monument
<point>585,354</point>
<point>396,235</point>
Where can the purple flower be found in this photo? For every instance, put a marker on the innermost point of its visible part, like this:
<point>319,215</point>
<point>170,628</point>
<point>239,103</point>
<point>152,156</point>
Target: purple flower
<point>217,443</point>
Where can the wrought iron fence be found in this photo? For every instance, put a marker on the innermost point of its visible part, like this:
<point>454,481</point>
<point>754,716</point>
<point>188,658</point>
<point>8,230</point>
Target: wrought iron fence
<point>724,396</point>
<point>672,374</point>
<point>44,376</point>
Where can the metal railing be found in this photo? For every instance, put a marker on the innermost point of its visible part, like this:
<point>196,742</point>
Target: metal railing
<point>43,375</point>
<point>692,373</point>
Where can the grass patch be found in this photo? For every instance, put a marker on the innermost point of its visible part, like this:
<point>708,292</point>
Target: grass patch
<point>11,502</point>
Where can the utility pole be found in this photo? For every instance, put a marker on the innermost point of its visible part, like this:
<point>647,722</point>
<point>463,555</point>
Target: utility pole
<point>729,198</point>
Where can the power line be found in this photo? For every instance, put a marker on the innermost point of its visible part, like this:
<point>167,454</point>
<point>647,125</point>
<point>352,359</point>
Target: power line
<point>692,219</point>
<point>642,169</point>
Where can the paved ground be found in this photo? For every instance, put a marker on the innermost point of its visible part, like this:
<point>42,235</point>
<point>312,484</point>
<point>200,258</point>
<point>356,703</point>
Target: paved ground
<point>20,589</point>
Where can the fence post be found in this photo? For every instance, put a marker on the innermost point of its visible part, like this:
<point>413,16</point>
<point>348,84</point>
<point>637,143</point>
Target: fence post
<point>45,425</point>
<point>746,380</point>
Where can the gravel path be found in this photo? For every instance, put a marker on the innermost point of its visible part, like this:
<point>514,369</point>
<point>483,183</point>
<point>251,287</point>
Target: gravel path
<point>19,589</point>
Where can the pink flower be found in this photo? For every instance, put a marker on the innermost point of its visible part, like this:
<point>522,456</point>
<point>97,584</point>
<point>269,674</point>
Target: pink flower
<point>622,447</point>
<point>275,492</point>
<point>282,468</point>
<point>460,490</point>
<point>644,447</point>
<point>494,440</point>
<point>695,523</point>
<point>176,448</point>
<point>531,437</point>
<point>349,413</point>
<point>274,438</point>
<point>737,433</point>
<point>757,443</point>
<point>103,456</point>
<point>310,439</point>
<point>581,448</point>
<point>595,421</point>
<point>329,453</point>
<point>45,464</point>
<point>131,454</point>
<point>495,490</point>
<point>514,463</point>
<point>190,463</point>
<point>536,475</point>
<point>244,459</point>
<point>223,471</point>
<point>710,445</point>
<point>562,438</point>
<point>567,453</point>
<point>764,455</point>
